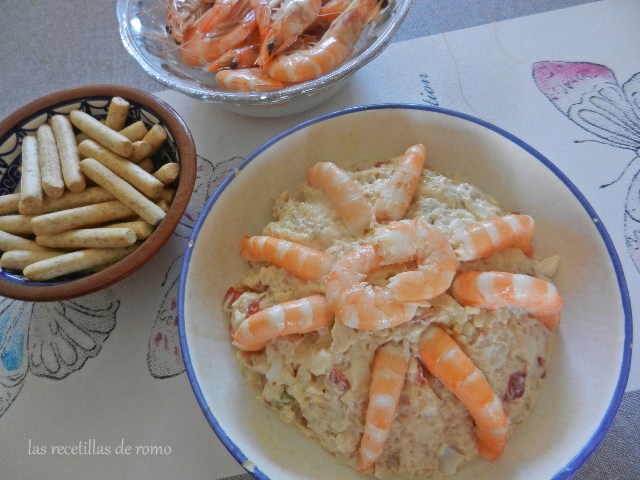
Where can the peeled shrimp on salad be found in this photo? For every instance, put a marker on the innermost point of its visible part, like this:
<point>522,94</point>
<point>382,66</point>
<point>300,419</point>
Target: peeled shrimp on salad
<point>446,361</point>
<point>347,198</point>
<point>503,289</point>
<point>395,199</point>
<point>297,316</point>
<point>361,305</point>
<point>388,372</point>
<point>303,262</point>
<point>483,239</point>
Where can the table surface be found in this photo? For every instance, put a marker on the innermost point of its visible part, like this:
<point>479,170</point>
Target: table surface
<point>54,44</point>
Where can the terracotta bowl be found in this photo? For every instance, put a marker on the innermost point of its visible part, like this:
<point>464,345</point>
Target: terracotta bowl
<point>94,99</point>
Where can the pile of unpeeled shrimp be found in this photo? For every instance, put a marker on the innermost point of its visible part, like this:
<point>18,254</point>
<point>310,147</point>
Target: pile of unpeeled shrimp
<point>262,45</point>
<point>350,299</point>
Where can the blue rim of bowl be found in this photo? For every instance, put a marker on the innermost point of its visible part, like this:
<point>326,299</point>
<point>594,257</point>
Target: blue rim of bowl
<point>576,462</point>
<point>284,95</point>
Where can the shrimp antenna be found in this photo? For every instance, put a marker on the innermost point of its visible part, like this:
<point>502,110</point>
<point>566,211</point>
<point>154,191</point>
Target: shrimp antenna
<point>622,174</point>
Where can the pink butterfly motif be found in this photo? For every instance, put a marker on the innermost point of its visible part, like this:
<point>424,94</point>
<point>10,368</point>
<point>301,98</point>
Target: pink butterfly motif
<point>590,96</point>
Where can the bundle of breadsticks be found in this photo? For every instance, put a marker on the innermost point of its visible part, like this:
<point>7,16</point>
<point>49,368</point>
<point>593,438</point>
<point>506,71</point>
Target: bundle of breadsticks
<point>86,199</point>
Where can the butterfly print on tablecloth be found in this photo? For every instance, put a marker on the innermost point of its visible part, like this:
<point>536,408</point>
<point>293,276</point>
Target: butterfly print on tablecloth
<point>51,339</point>
<point>164,356</point>
<point>590,96</point>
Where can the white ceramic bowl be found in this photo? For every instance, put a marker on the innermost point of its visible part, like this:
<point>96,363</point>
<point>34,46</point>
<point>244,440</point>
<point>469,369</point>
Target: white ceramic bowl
<point>143,33</point>
<point>587,372</point>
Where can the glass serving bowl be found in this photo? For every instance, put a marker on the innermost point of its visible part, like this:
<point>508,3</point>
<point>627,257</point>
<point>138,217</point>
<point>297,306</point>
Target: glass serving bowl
<point>143,33</point>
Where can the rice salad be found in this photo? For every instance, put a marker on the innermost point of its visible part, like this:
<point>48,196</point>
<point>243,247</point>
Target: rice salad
<point>319,381</point>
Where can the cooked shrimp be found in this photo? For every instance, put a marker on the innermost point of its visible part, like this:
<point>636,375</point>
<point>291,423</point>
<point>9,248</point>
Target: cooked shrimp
<point>236,58</point>
<point>448,363</point>
<point>220,12</point>
<point>501,289</point>
<point>200,49</point>
<point>332,10</point>
<point>301,261</point>
<point>396,197</point>
<point>303,41</point>
<point>247,80</point>
<point>388,373</point>
<point>182,14</point>
<point>262,10</point>
<point>332,49</point>
<point>416,241</point>
<point>347,198</point>
<point>359,304</point>
<point>292,18</point>
<point>297,316</point>
<point>483,239</point>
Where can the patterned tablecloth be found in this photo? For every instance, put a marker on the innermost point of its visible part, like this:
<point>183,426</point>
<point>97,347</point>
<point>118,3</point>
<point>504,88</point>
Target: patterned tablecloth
<point>95,387</point>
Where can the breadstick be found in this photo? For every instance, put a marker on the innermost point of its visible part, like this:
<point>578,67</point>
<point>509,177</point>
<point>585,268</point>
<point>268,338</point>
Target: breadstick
<point>9,241</point>
<point>134,132</point>
<point>89,238</point>
<point>19,259</point>
<point>50,171</point>
<point>68,151</point>
<point>168,194</point>
<point>117,113</point>
<point>114,141</point>
<point>80,217</point>
<point>141,228</point>
<point>80,137</point>
<point>122,190</point>
<point>143,181</point>
<point>68,200</point>
<point>167,173</point>
<point>146,164</point>
<point>16,224</point>
<point>163,205</point>
<point>141,150</point>
<point>156,137</point>
<point>74,262</point>
<point>10,203</point>
<point>30,183</point>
